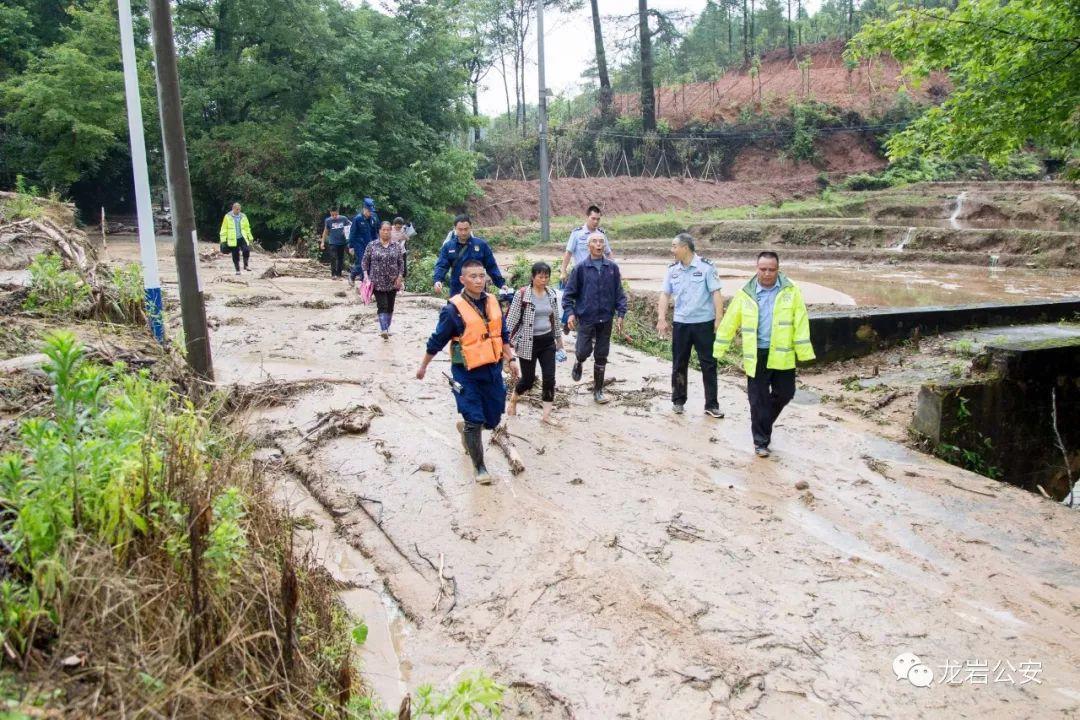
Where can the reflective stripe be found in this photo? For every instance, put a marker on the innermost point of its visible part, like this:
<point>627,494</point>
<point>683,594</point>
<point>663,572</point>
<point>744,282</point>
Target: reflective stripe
<point>749,357</point>
<point>802,342</point>
<point>776,349</point>
<point>748,328</point>
<point>782,323</point>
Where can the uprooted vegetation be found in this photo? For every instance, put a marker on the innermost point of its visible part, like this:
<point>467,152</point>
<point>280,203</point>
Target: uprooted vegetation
<point>137,537</point>
<point>146,570</point>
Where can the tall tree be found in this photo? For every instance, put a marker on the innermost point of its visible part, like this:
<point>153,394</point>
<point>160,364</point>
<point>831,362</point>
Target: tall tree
<point>790,34</point>
<point>648,92</point>
<point>601,63</point>
<point>746,32</point>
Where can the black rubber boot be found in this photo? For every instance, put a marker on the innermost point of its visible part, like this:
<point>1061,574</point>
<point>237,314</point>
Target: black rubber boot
<point>474,443</point>
<point>598,384</point>
<point>575,372</point>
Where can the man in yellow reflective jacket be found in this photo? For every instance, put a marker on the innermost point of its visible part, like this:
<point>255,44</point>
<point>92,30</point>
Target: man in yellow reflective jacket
<point>770,312</point>
<point>235,235</point>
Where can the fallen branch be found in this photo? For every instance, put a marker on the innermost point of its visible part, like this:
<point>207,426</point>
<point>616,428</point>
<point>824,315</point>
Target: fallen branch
<point>1061,446</point>
<point>443,579</point>
<point>354,421</point>
<point>501,439</point>
<point>878,404</point>
<point>977,492</point>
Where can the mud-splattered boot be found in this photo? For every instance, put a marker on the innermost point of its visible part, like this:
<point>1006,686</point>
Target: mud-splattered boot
<point>598,384</point>
<point>474,444</point>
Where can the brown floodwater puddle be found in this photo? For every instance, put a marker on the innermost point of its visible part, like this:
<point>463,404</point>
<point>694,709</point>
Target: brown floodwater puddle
<point>839,282</point>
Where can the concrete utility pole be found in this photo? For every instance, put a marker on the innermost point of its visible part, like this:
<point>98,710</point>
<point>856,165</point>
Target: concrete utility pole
<point>192,305</point>
<point>545,230</point>
<point>147,246</point>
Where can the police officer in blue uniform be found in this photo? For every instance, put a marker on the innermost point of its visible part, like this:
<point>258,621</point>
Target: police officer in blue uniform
<point>695,285</point>
<point>473,323</point>
<point>456,250</point>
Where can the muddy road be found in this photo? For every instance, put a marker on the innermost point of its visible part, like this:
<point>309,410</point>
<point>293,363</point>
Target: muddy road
<point>644,565</point>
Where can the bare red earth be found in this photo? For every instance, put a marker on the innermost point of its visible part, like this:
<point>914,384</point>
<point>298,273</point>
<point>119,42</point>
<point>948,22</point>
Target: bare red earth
<point>868,89</point>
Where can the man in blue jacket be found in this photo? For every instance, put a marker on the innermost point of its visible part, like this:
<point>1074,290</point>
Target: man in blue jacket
<point>459,248</point>
<point>365,228</point>
<point>595,300</point>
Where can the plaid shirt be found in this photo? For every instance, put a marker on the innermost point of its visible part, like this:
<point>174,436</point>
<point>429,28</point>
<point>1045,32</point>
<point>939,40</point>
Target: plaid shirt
<point>521,319</point>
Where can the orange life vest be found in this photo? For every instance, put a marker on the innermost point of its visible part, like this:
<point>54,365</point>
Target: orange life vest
<point>481,344</point>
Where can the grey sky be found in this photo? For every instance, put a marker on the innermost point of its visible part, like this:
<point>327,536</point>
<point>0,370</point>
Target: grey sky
<point>568,49</point>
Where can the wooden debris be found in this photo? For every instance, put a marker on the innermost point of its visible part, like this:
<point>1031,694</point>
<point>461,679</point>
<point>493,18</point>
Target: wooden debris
<point>353,421</point>
<point>882,402</point>
<point>501,439</point>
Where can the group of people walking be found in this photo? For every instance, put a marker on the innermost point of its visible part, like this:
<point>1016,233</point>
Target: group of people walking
<point>768,310</point>
<point>379,250</point>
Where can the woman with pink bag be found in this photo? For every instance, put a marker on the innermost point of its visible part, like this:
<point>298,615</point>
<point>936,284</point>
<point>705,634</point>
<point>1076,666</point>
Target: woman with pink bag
<point>384,267</point>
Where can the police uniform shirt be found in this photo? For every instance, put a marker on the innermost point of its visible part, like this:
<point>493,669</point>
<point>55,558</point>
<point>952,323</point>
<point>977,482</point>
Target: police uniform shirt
<point>578,244</point>
<point>692,287</point>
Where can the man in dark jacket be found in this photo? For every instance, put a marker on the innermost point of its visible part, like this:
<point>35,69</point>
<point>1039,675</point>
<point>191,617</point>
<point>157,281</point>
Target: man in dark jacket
<point>594,297</point>
<point>456,250</point>
<point>365,228</point>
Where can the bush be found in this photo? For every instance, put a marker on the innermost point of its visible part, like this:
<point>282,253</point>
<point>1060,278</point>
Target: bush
<point>56,291</point>
<point>420,271</point>
<point>104,499</point>
<point>24,204</point>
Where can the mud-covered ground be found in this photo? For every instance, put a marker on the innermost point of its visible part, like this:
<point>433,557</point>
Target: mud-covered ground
<point>645,565</point>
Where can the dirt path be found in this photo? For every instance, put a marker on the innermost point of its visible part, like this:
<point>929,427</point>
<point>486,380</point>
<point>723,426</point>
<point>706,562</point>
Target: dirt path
<point>647,565</point>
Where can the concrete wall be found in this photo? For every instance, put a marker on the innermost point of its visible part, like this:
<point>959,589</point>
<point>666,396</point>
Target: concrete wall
<point>1002,424</point>
<point>847,334</point>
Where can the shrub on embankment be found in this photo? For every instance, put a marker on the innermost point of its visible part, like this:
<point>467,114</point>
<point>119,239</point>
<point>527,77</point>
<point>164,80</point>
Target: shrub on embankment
<point>144,567</point>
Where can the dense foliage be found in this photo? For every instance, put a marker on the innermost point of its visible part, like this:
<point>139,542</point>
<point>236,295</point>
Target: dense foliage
<point>1015,68</point>
<point>291,107</point>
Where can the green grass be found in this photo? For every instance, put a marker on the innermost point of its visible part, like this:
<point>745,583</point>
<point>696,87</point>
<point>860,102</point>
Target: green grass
<point>646,226</point>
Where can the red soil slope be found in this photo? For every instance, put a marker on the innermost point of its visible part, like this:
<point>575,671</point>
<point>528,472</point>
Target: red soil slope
<point>867,89</point>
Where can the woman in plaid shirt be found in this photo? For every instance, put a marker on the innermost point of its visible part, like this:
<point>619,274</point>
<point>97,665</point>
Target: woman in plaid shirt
<point>535,336</point>
<point>384,266</point>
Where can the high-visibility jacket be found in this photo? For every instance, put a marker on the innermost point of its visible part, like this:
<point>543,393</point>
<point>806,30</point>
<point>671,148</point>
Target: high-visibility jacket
<point>481,343</point>
<point>227,234</point>
<point>790,327</point>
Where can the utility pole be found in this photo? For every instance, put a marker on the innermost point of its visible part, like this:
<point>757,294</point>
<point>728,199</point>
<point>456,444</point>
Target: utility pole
<point>192,305</point>
<point>147,243</point>
<point>545,230</point>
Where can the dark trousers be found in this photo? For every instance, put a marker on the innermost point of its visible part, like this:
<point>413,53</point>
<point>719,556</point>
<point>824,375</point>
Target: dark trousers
<point>698,337</point>
<point>543,352</point>
<point>357,268</point>
<point>590,335</point>
<point>768,391</point>
<point>483,395</point>
<point>337,260</point>
<point>242,247</point>
<point>384,301</point>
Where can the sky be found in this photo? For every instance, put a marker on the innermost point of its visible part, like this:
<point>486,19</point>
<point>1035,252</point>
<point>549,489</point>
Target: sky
<point>568,50</point>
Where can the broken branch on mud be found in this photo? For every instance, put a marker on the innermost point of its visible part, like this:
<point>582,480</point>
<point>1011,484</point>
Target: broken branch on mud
<point>352,421</point>
<point>443,579</point>
<point>501,439</point>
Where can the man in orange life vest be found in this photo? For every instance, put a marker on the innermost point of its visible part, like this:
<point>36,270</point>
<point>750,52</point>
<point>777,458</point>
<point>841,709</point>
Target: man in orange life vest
<point>473,323</point>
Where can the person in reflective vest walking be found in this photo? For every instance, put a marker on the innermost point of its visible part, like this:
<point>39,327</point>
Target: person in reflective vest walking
<point>775,332</point>
<point>472,323</point>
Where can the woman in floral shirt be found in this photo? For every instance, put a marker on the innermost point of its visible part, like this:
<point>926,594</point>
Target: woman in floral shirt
<point>384,266</point>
